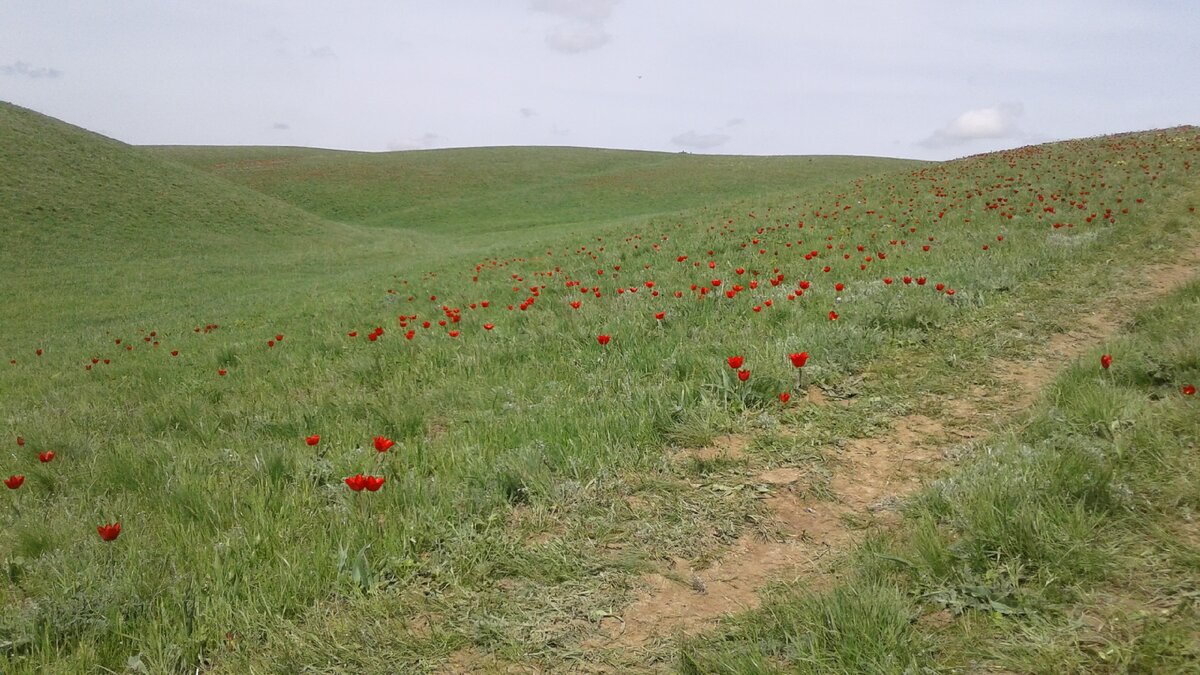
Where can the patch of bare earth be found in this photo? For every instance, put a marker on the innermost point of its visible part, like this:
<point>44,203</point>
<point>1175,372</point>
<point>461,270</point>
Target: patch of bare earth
<point>871,477</point>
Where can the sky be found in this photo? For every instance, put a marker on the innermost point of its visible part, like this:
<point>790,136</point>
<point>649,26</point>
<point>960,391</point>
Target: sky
<point>929,79</point>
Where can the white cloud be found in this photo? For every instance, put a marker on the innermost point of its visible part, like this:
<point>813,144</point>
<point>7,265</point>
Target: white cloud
<point>24,69</point>
<point>582,28</point>
<point>281,126</point>
<point>999,121</point>
<point>576,36</point>
<point>691,139</point>
<point>594,11</point>
<point>426,141</point>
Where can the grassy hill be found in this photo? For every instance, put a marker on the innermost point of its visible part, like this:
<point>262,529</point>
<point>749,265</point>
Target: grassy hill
<point>94,229</point>
<point>554,397</point>
<point>493,190</point>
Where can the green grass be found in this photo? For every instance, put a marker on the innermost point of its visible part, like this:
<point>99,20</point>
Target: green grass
<point>530,482</point>
<point>503,190</point>
<point>1067,542</point>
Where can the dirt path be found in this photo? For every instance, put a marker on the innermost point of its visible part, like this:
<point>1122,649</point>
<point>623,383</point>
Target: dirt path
<point>871,476</point>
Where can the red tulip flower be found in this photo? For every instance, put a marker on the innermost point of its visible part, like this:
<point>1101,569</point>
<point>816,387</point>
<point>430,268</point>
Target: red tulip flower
<point>798,360</point>
<point>383,444</point>
<point>373,483</point>
<point>45,457</point>
<point>488,326</point>
<point>660,316</point>
<point>1106,361</point>
<point>14,482</point>
<point>221,372</point>
<point>356,482</point>
<point>743,375</point>
<point>735,362</point>
<point>1189,390</point>
<point>785,397</point>
<point>312,440</point>
<point>109,532</point>
<point>603,339</point>
<point>833,316</point>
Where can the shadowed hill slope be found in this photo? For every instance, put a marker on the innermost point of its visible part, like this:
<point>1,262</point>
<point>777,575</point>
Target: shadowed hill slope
<point>96,229</point>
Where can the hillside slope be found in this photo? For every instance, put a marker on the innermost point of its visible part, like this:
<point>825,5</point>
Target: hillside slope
<point>488,190</point>
<point>88,223</point>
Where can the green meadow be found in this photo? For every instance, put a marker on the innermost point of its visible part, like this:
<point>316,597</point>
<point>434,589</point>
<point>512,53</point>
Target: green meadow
<point>543,336</point>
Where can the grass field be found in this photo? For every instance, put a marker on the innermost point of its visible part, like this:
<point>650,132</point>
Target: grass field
<point>552,333</point>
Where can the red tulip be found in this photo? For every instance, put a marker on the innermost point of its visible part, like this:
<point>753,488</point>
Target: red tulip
<point>660,316</point>
<point>373,483</point>
<point>45,457</point>
<point>356,482</point>
<point>887,280</point>
<point>109,532</point>
<point>352,333</point>
<point>312,440</point>
<point>383,444</point>
<point>798,360</point>
<point>221,372</point>
<point>488,326</point>
<point>38,351</point>
<point>833,316</point>
<point>785,397</point>
<point>1189,390</point>
<point>1106,361</point>
<point>603,339</point>
<point>279,338</point>
<point>174,352</point>
<point>270,343</point>
<point>735,362</point>
<point>14,482</point>
<point>839,287</point>
<point>453,333</point>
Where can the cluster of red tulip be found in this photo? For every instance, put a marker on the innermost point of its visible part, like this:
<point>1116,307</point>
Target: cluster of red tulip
<point>15,481</point>
<point>798,359</point>
<point>359,482</point>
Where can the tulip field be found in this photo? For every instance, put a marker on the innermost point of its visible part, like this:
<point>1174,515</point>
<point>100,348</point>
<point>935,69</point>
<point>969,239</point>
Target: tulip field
<point>292,410</point>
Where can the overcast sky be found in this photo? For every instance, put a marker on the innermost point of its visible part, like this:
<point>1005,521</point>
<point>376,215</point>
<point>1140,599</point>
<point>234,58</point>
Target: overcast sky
<point>923,78</point>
